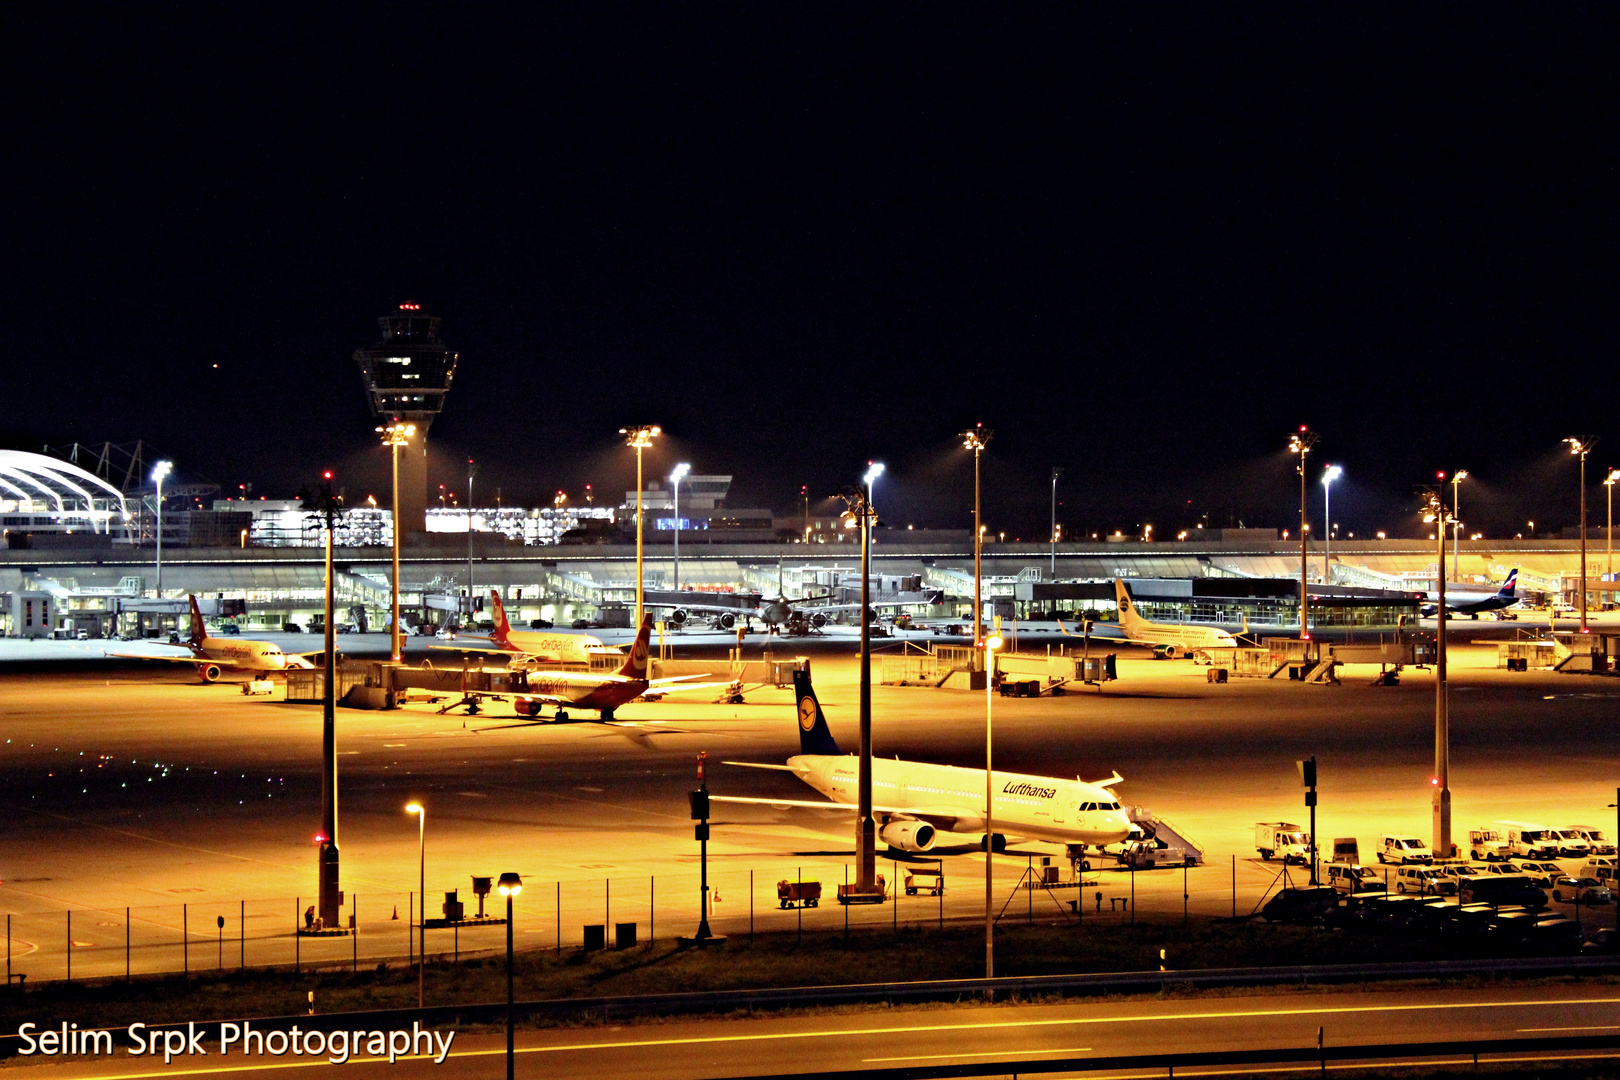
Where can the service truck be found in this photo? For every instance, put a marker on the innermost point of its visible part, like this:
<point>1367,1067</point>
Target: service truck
<point>1402,849</point>
<point>1281,840</point>
<point>1488,845</point>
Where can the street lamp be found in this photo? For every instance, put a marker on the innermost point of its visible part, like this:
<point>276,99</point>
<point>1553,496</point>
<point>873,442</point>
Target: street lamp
<point>1456,526</point>
<point>675,478</point>
<point>1580,448</point>
<point>1330,474</point>
<point>1609,482</point>
<point>859,511</point>
<point>1442,717</point>
<point>640,438</point>
<point>1057,471</point>
<point>991,644</point>
<point>1300,443</point>
<point>976,438</point>
<point>421,883</point>
<point>159,471</point>
<point>396,435</point>
<point>471,471</point>
<point>510,885</point>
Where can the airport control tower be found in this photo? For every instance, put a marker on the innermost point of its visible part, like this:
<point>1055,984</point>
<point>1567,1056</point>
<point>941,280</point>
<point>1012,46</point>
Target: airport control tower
<point>407,378</point>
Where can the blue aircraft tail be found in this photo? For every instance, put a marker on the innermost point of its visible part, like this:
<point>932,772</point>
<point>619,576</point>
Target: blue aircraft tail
<point>814,735</point>
<point>1509,587</point>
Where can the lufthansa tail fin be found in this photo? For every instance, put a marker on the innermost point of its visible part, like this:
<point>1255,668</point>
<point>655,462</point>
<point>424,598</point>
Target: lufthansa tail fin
<point>198,630</point>
<point>814,735</point>
<point>1510,587</point>
<point>502,627</point>
<point>635,665</point>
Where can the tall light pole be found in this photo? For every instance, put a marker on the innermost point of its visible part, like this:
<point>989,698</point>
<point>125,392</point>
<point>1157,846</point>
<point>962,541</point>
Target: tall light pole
<point>860,512</point>
<point>1456,524</point>
<point>1329,474</point>
<point>471,471</point>
<point>329,506</point>
<point>396,435</point>
<point>991,644</point>
<point>1057,471</point>
<point>976,438</point>
<point>1580,448</point>
<point>1442,717</point>
<point>159,471</point>
<point>874,469</point>
<point>675,478</point>
<point>510,885</point>
<point>1609,482</point>
<point>421,883</point>
<point>1300,443</point>
<point>639,438</point>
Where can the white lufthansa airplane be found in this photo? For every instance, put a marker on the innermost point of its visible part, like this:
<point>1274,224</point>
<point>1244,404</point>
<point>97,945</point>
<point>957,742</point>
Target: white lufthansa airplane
<point>914,801</point>
<point>213,656</point>
<point>1168,640</point>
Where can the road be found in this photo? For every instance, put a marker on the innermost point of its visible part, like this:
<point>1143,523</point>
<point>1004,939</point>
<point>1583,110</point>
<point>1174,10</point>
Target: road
<point>878,1038</point>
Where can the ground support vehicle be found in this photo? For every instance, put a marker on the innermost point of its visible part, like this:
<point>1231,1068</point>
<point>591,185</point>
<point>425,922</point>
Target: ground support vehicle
<point>1503,890</point>
<point>1531,841</point>
<point>1541,873</point>
<point>797,894</point>
<point>1488,845</point>
<point>1282,840</point>
<point>926,880</point>
<point>1423,880</point>
<point>1571,844</point>
<point>852,894</point>
<point>1596,840</point>
<point>1352,878</point>
<point>1300,906</point>
<point>1402,850</point>
<point>1600,868</point>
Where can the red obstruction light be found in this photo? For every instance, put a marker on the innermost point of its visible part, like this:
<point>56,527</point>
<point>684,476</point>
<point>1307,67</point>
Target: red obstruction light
<point>410,307</point>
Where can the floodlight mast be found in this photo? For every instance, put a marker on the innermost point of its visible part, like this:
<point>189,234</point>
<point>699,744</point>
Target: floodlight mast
<point>159,471</point>
<point>1442,717</point>
<point>976,438</point>
<point>675,479</point>
<point>1300,443</point>
<point>1330,474</point>
<point>1456,524</point>
<point>1612,479</point>
<point>639,438</point>
<point>395,435</point>
<point>859,510</point>
<point>1580,448</point>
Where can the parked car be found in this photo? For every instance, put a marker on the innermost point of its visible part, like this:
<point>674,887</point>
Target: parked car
<point>1583,890</point>
<point>1542,873</point>
<point>1596,839</point>
<point>1600,868</point>
<point>1571,844</point>
<point>1422,880</point>
<point>1502,890</point>
<point>1449,877</point>
<point>1605,942</point>
<point>1351,878</point>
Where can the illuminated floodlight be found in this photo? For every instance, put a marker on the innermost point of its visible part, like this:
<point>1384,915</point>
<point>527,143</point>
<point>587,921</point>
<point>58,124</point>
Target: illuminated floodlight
<point>874,469</point>
<point>510,884</point>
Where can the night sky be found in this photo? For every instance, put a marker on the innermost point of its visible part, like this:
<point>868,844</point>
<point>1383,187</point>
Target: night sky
<point>1141,242</point>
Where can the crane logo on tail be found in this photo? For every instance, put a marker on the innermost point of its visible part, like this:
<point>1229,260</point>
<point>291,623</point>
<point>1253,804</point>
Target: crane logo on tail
<point>807,712</point>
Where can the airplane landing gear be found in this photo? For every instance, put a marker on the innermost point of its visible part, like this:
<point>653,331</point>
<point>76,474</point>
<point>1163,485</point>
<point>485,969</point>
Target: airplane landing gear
<point>607,716</point>
<point>562,715</point>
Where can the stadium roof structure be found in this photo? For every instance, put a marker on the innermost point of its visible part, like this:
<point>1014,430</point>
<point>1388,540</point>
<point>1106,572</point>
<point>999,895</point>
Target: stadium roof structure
<point>70,496</point>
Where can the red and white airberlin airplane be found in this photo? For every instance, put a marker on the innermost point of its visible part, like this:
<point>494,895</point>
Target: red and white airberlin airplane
<point>213,656</point>
<point>564,690</point>
<point>537,646</point>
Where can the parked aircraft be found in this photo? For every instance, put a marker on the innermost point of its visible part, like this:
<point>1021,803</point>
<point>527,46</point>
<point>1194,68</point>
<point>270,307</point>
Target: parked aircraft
<point>1467,600</point>
<point>914,801</point>
<point>536,646</point>
<point>564,690</point>
<point>1168,640</point>
<point>779,613</point>
<point>215,655</point>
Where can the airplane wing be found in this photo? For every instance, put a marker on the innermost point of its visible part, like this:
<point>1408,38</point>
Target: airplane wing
<point>1116,635</point>
<point>799,770</point>
<point>949,819</point>
<point>672,679</point>
<point>184,659</point>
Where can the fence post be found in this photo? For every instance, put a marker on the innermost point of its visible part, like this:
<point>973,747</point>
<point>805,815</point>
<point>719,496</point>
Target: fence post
<point>1234,885</point>
<point>894,879</point>
<point>185,940</point>
<point>799,907</point>
<point>559,916</point>
<point>750,907</point>
<point>652,907</point>
<point>354,932</point>
<point>241,920</point>
<point>298,938</point>
<point>1133,891</point>
<point>70,945</point>
<point>607,906</point>
<point>410,927</point>
<point>1184,892</point>
<point>846,906</point>
<point>126,946</point>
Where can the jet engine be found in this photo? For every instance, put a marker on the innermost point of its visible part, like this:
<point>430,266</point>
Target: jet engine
<point>208,672</point>
<point>1167,652</point>
<point>678,616</point>
<point>726,621</point>
<point>818,620</point>
<point>908,835</point>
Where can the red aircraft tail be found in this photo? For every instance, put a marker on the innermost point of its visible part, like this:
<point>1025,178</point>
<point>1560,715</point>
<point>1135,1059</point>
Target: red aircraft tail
<point>635,665</point>
<point>502,627</point>
<point>198,630</point>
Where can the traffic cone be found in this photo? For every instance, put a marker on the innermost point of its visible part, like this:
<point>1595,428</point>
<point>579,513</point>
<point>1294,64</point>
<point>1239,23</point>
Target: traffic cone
<point>396,913</point>
<point>717,896</point>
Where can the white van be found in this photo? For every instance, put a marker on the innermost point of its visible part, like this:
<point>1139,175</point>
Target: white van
<point>1596,840</point>
<point>1422,880</point>
<point>1351,877</point>
<point>1600,868</point>
<point>1530,841</point>
<point>1571,844</point>
<point>1402,849</point>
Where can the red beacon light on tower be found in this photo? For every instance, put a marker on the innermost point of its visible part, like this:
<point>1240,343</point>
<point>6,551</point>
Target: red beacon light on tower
<point>410,307</point>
